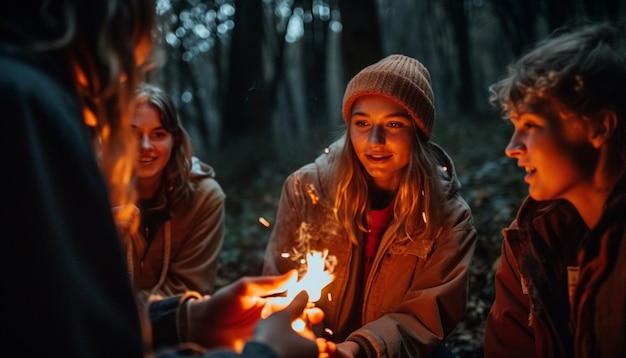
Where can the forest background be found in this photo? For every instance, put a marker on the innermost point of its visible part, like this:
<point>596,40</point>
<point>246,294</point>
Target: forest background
<point>259,86</point>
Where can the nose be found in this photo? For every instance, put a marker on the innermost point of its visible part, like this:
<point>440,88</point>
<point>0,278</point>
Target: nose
<point>144,142</point>
<point>515,147</point>
<point>377,135</point>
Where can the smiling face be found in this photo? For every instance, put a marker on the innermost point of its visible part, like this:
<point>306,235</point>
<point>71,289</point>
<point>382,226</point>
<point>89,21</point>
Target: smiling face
<point>381,132</point>
<point>155,143</point>
<point>556,153</point>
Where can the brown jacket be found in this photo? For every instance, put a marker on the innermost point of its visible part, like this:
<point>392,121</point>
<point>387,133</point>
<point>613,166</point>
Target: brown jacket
<point>184,253</point>
<point>417,290</point>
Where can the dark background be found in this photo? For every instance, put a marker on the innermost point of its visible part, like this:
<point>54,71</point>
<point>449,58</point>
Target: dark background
<point>259,86</point>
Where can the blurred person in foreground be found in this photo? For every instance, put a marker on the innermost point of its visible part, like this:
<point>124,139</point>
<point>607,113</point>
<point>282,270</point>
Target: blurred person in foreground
<point>68,75</point>
<point>180,205</point>
<point>383,201</point>
<point>560,281</point>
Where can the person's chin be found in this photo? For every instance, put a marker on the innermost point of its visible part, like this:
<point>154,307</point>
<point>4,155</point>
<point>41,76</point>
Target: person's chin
<point>539,195</point>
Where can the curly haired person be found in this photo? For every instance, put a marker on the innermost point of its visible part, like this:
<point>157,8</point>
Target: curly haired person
<point>560,281</point>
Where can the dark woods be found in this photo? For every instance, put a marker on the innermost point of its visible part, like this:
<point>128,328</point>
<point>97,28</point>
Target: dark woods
<point>277,69</point>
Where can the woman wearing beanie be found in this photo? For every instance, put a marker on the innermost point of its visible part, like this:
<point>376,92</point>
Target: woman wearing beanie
<point>383,202</point>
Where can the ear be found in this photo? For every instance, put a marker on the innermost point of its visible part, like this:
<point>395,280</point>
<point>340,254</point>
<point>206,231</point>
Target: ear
<point>603,128</point>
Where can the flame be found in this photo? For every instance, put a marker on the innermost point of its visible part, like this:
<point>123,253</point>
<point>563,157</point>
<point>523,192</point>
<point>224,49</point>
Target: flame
<point>318,274</point>
<point>315,278</point>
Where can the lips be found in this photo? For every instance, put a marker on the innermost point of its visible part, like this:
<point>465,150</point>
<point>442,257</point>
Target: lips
<point>146,160</point>
<point>530,171</point>
<point>378,157</point>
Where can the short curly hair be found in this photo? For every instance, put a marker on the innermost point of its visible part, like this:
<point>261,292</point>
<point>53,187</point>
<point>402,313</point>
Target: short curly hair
<point>583,68</point>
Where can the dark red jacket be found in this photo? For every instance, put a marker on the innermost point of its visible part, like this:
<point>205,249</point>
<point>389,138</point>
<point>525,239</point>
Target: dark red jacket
<point>531,315</point>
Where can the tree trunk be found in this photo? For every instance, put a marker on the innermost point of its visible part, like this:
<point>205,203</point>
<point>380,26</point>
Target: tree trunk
<point>246,110</point>
<point>460,30</point>
<point>361,41</point>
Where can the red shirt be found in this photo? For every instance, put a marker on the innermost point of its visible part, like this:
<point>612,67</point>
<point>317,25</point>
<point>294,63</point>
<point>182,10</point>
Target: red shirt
<point>379,221</point>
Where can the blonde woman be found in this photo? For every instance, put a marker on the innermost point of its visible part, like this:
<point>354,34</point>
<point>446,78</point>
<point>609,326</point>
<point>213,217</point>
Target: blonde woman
<point>384,201</point>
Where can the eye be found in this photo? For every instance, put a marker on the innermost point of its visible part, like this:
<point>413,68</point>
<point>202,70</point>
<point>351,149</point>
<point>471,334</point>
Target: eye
<point>159,135</point>
<point>396,124</point>
<point>359,122</point>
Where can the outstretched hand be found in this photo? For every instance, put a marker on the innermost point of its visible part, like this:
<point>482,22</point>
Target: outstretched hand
<point>228,318</point>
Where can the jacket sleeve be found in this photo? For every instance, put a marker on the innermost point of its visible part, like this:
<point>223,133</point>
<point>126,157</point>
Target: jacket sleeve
<point>507,331</point>
<point>164,319</point>
<point>436,299</point>
<point>193,266</point>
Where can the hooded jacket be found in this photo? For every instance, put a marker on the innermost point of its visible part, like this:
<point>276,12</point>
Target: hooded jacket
<point>184,253</point>
<point>538,311</point>
<point>416,292</point>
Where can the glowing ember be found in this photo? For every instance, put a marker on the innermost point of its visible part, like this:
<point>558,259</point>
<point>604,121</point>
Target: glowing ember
<point>299,325</point>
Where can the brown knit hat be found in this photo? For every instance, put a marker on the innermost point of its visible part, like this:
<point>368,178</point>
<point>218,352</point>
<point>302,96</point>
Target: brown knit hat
<point>400,78</point>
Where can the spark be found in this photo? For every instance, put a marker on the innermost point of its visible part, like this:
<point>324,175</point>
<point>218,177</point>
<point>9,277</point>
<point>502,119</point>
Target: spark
<point>264,222</point>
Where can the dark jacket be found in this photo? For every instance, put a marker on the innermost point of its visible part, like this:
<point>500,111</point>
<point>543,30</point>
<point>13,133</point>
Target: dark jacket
<point>532,314</point>
<point>417,290</point>
<point>67,291</point>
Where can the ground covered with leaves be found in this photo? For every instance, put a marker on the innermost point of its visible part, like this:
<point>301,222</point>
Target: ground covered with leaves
<point>491,184</point>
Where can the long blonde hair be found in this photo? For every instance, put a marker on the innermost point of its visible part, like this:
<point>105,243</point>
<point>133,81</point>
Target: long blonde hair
<point>417,211</point>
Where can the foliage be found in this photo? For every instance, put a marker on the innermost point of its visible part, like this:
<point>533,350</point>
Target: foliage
<point>491,184</point>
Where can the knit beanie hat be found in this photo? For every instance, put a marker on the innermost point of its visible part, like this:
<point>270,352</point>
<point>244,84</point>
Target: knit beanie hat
<point>400,78</point>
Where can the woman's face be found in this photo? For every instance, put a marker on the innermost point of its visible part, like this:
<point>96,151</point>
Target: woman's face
<point>555,152</point>
<point>382,134</point>
<point>155,143</point>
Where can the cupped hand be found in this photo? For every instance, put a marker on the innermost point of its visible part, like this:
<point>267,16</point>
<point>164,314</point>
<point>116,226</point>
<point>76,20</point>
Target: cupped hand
<point>276,330</point>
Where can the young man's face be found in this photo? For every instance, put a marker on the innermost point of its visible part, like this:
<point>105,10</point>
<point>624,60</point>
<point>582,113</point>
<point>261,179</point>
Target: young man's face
<point>555,152</point>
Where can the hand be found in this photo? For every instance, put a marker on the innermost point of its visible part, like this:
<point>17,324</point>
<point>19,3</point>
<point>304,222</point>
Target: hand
<point>276,331</point>
<point>227,319</point>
